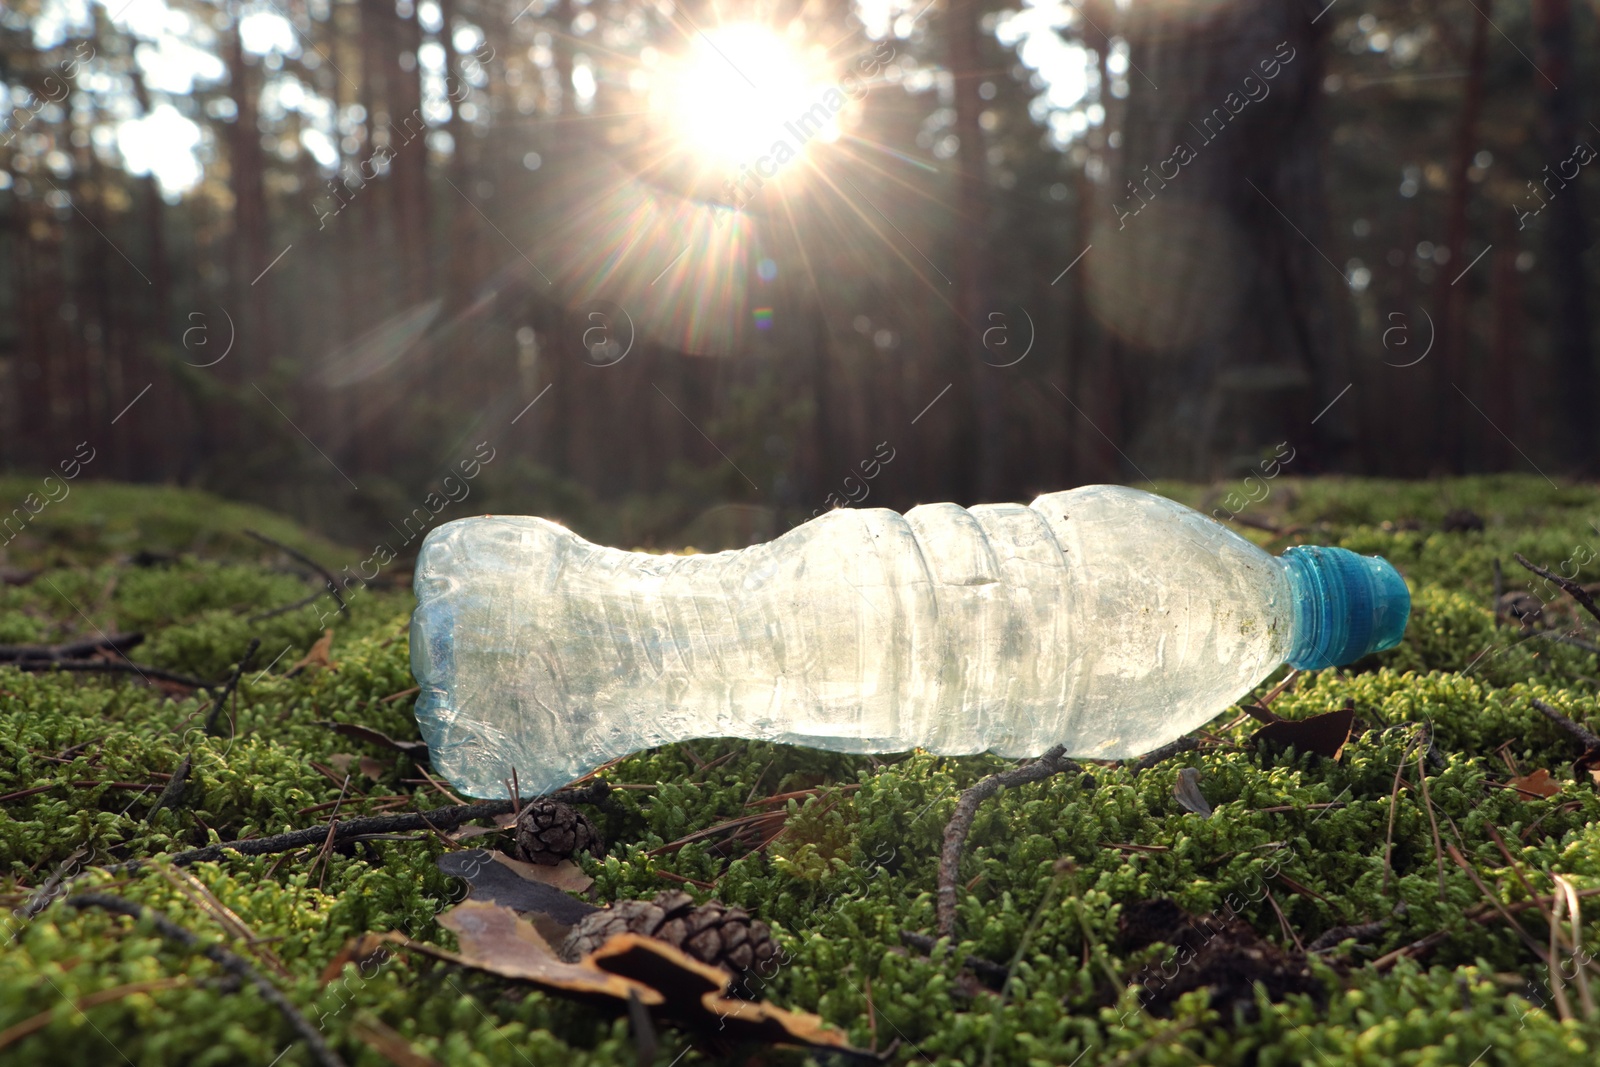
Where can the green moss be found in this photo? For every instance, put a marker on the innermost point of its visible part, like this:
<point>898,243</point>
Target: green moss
<point>851,869</point>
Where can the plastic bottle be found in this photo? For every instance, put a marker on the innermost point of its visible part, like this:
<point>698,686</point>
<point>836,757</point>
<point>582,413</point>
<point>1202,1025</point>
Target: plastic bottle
<point>1103,618</point>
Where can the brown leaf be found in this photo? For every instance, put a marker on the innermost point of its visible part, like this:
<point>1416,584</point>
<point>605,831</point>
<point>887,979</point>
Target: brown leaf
<point>1323,734</point>
<point>319,656</point>
<point>675,987</point>
<point>498,940</point>
<point>340,761</point>
<point>566,875</point>
<point>373,767</point>
<point>693,994</point>
<point>1187,790</point>
<point>1536,785</point>
<point>498,879</point>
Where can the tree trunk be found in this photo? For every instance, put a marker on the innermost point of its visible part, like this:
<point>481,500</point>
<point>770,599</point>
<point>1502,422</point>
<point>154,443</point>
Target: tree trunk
<point>1207,265</point>
<point>251,254</point>
<point>1450,299</point>
<point>1566,234</point>
<point>972,245</point>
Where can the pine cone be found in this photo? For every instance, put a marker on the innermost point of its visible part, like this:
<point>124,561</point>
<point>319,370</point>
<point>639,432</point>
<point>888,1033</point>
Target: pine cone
<point>711,932</point>
<point>549,831</point>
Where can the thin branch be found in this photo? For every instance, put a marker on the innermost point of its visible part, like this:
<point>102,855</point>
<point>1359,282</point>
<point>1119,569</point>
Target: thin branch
<point>333,585</point>
<point>228,961</point>
<point>1570,587</point>
<point>347,830</point>
<point>72,650</point>
<point>275,612</point>
<point>1166,752</point>
<point>111,666</point>
<point>993,974</point>
<point>1585,738</point>
<point>232,684</point>
<point>1051,763</point>
<point>1427,800</point>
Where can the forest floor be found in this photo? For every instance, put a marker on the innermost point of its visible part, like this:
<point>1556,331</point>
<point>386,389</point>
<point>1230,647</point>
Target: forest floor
<point>1452,886</point>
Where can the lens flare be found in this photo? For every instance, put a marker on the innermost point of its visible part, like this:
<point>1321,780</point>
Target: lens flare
<point>730,94</point>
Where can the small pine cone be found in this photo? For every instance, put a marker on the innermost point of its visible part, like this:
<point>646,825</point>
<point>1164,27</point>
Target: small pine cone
<point>549,831</point>
<point>711,932</point>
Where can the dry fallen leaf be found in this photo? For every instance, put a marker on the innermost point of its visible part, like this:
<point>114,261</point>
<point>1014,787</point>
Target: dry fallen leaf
<point>1187,790</point>
<point>693,993</point>
<point>627,969</point>
<point>499,879</point>
<point>319,656</point>
<point>1323,734</point>
<point>566,875</point>
<point>1536,785</point>
<point>497,940</point>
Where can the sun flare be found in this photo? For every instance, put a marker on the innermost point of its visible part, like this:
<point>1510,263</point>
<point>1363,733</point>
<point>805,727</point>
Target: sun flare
<point>731,93</point>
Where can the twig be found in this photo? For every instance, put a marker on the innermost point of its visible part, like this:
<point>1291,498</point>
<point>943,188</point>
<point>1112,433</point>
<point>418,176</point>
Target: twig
<point>872,1013</point>
<point>228,961</point>
<point>992,973</point>
<point>1587,739</point>
<point>1422,777</point>
<point>1394,797</point>
<point>1051,763</point>
<point>1570,587</point>
<point>232,683</point>
<point>173,793</point>
<point>327,843</point>
<point>1329,939</point>
<point>111,666</point>
<point>1570,896</point>
<point>1283,921</point>
<point>333,585</point>
<point>285,609</point>
<point>33,1025</point>
<point>72,650</point>
<point>1416,948</point>
<point>401,822</point>
<point>1278,690</point>
<point>1166,752</point>
<point>1557,988</point>
<point>438,785</point>
<point>686,880</point>
<point>1488,895</point>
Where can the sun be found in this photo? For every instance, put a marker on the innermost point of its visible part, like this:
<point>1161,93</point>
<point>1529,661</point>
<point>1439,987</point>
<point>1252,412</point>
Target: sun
<point>729,96</point>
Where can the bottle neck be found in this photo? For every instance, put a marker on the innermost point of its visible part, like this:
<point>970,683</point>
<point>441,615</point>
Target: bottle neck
<point>1345,605</point>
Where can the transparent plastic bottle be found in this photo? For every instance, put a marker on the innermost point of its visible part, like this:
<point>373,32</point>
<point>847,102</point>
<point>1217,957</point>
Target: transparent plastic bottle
<point>1105,619</point>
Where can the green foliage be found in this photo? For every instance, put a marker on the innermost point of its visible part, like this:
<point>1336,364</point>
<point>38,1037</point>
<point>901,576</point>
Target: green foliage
<point>1291,833</point>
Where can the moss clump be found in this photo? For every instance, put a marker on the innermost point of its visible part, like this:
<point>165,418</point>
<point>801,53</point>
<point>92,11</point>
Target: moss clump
<point>82,758</point>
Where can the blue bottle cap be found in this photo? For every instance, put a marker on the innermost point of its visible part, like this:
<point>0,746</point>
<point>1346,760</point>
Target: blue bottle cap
<point>1345,605</point>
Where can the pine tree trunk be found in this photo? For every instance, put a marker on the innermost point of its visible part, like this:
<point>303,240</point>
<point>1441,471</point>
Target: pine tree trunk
<point>1567,235</point>
<point>972,248</point>
<point>1209,264</point>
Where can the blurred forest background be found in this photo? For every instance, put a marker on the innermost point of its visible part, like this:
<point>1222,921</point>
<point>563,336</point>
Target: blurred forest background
<point>313,253</point>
